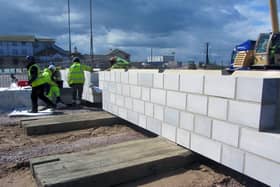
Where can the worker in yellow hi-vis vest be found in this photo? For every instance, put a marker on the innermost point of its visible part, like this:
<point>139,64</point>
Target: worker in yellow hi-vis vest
<point>76,79</point>
<point>38,83</point>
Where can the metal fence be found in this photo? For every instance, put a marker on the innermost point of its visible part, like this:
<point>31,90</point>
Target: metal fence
<point>6,80</point>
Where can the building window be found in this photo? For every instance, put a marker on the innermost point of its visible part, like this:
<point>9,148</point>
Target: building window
<point>24,52</point>
<point>1,60</point>
<point>1,52</point>
<point>15,61</point>
<point>14,43</point>
<point>23,43</point>
<point>15,52</point>
<point>1,43</point>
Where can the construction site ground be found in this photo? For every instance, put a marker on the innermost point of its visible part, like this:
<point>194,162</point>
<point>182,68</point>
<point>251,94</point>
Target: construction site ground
<point>16,149</point>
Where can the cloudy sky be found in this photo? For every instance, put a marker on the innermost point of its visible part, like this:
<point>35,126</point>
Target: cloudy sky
<point>136,26</point>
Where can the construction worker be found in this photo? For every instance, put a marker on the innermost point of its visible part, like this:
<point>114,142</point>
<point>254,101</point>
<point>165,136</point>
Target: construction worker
<point>76,79</point>
<point>54,79</point>
<point>38,83</point>
<point>119,63</point>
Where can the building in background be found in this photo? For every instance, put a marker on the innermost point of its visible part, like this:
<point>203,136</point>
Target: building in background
<point>14,49</point>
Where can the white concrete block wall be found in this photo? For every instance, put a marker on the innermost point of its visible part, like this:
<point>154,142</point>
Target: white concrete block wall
<point>216,116</point>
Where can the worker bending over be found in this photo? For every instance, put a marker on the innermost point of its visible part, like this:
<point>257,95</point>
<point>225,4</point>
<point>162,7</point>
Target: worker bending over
<point>38,83</point>
<point>76,79</point>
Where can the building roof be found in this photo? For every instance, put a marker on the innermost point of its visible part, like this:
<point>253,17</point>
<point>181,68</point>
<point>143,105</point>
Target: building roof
<point>23,38</point>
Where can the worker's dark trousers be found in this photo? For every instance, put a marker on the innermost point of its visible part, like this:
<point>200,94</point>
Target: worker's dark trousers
<point>38,92</point>
<point>77,91</point>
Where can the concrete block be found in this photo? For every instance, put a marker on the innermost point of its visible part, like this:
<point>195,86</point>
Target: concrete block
<point>233,158</point>
<point>171,81</point>
<point>105,85</point>
<point>226,132</point>
<point>262,170</point>
<point>142,121</point>
<point>149,109</point>
<point>118,76</point>
<point>128,103</point>
<point>135,92</point>
<point>252,114</point>
<point>171,116</point>
<point>124,77</point>
<point>154,125</point>
<point>257,89</point>
<point>132,117</point>
<point>120,100</point>
<point>139,106</point>
<point>264,144</point>
<point>122,113</point>
<point>145,79</point>
<point>107,75</point>
<point>101,75</point>
<point>158,80</point>
<point>146,94</point>
<point>169,132</point>
<point>101,85</point>
<point>115,109</point>
<point>112,98</point>
<point>183,138</point>
<point>222,86</point>
<point>176,100</point>
<point>158,112</point>
<point>197,104</point>
<point>112,76</point>
<point>119,89</point>
<point>111,87</point>
<point>158,96</point>
<point>133,78</point>
<point>206,147</point>
<point>125,90</point>
<point>187,121</point>
<point>193,83</point>
<point>217,108</point>
<point>203,126</point>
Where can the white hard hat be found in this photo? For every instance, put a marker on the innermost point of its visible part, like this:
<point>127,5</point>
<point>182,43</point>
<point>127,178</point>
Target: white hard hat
<point>52,67</point>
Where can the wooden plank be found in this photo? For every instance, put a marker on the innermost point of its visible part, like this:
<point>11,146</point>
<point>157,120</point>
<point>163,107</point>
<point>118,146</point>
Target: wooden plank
<point>65,123</point>
<point>110,165</point>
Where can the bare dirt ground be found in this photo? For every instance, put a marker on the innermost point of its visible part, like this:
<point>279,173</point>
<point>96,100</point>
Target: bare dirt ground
<point>16,149</point>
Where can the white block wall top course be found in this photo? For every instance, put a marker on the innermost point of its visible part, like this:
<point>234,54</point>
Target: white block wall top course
<point>118,76</point>
<point>149,109</point>
<point>203,126</point>
<point>122,113</point>
<point>251,114</point>
<point>142,121</point>
<point>257,89</point>
<point>183,138</point>
<point>197,104</point>
<point>133,78</point>
<point>158,96</point>
<point>262,170</point>
<point>101,75</point>
<point>158,112</point>
<point>145,79</point>
<point>107,75</point>
<point>132,117</point>
<point>222,86</point>
<point>125,90</point>
<point>124,77</point>
<point>226,132</point>
<point>169,132</point>
<point>171,81</point>
<point>171,116</point>
<point>120,100</point>
<point>176,100</point>
<point>217,108</point>
<point>128,103</point>
<point>192,83</point>
<point>154,125</point>
<point>233,158</point>
<point>112,76</point>
<point>146,94</point>
<point>187,121</point>
<point>135,92</point>
<point>206,147</point>
<point>158,80</point>
<point>112,87</point>
<point>139,106</point>
<point>264,144</point>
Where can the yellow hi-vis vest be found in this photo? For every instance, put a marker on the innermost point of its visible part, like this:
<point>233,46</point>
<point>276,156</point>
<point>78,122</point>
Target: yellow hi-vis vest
<point>39,80</point>
<point>76,74</point>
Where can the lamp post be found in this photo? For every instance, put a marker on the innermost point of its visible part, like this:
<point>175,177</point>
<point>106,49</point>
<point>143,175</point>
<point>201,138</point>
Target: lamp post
<point>91,37</point>
<point>69,30</point>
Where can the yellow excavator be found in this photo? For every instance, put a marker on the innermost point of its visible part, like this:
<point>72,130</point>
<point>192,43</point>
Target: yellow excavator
<point>263,53</point>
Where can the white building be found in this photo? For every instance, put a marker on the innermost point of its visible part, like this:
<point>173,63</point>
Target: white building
<point>163,59</point>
